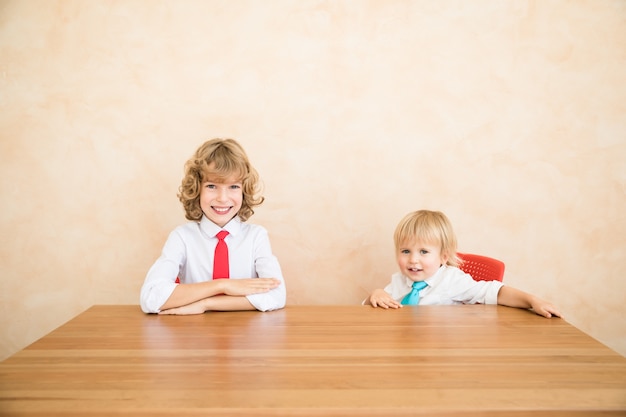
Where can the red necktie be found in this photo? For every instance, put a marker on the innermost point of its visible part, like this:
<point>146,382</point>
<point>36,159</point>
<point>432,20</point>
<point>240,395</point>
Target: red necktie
<point>220,261</point>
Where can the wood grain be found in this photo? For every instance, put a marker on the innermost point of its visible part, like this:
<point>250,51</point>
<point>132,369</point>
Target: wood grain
<point>315,360</point>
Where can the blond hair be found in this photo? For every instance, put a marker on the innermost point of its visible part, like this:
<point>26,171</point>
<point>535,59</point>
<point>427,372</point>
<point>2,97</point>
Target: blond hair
<point>219,159</point>
<point>432,227</point>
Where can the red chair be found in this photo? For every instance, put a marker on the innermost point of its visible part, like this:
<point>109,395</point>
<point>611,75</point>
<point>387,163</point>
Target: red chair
<point>481,268</point>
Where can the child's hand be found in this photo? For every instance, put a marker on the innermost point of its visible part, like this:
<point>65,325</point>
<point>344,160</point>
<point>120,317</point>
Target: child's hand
<point>544,308</point>
<point>380,298</point>
<point>248,286</point>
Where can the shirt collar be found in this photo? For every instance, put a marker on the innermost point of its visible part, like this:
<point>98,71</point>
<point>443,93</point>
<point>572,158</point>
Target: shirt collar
<point>211,229</point>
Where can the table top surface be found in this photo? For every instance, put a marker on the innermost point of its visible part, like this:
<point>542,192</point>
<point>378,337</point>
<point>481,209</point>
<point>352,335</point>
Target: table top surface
<point>315,360</point>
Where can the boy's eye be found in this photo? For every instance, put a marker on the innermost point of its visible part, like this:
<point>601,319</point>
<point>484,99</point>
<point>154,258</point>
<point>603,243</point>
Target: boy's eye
<point>423,251</point>
<point>235,186</point>
<point>210,186</point>
<point>405,251</point>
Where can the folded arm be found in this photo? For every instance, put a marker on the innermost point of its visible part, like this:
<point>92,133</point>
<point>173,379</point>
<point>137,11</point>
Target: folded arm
<point>216,295</point>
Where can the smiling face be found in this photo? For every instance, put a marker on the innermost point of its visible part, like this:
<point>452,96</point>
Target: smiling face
<point>221,201</point>
<point>418,260</point>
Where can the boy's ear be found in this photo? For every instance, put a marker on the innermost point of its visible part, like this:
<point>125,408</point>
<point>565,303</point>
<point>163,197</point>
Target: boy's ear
<point>444,258</point>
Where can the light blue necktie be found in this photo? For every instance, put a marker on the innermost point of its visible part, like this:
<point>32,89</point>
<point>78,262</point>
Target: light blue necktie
<point>413,298</point>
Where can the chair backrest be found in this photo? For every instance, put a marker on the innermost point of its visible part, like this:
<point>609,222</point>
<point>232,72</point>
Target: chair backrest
<point>481,268</point>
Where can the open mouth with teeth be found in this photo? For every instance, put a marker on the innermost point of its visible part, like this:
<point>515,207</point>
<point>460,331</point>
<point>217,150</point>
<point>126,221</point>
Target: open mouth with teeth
<point>415,269</point>
<point>221,210</point>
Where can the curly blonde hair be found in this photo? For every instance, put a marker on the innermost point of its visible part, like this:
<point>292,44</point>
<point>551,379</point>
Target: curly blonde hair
<point>431,227</point>
<point>219,159</point>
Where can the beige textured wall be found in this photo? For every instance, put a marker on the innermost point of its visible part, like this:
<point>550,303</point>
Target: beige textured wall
<point>510,116</point>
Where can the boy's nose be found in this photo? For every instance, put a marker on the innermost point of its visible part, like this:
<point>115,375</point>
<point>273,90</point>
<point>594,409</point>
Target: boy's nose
<point>222,194</point>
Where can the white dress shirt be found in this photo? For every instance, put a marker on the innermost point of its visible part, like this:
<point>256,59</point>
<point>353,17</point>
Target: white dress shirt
<point>449,285</point>
<point>188,254</point>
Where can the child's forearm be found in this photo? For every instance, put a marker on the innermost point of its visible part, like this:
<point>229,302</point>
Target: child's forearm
<point>227,303</point>
<point>508,296</point>
<point>185,294</point>
<point>512,297</point>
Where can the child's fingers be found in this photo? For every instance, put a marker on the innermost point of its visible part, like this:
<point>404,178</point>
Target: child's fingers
<point>385,303</point>
<point>264,284</point>
<point>249,286</point>
<point>547,310</point>
<point>272,282</point>
<point>553,311</point>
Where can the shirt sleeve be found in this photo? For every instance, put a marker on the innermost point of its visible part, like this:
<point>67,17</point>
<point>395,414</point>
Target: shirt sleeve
<point>469,291</point>
<point>266,266</point>
<point>160,281</point>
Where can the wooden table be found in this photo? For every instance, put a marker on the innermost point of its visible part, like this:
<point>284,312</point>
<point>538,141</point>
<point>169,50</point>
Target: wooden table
<point>315,360</point>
